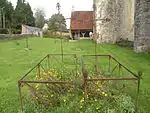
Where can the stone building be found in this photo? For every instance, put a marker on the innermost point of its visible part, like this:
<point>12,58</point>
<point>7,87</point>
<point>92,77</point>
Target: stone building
<point>31,30</point>
<point>123,19</point>
<point>142,26</point>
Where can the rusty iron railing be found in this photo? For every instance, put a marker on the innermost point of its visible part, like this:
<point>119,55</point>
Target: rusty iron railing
<point>29,77</point>
<point>98,78</point>
<point>110,78</point>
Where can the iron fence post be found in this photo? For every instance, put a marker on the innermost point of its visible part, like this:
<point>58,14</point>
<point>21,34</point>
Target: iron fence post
<point>119,69</point>
<point>109,64</point>
<point>137,99</point>
<point>39,72</point>
<point>48,61</point>
<point>20,95</point>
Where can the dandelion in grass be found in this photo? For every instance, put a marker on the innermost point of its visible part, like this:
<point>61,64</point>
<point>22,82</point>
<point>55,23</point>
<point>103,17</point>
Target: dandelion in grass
<point>37,86</point>
<point>95,100</point>
<point>82,100</point>
<point>105,95</point>
<point>98,89</point>
<point>64,100</point>
<point>44,73</point>
<point>87,96</point>
<point>81,106</point>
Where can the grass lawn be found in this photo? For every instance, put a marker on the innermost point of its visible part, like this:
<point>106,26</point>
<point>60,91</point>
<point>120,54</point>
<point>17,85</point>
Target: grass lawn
<point>15,61</point>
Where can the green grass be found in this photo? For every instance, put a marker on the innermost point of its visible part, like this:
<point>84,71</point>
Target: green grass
<point>15,61</point>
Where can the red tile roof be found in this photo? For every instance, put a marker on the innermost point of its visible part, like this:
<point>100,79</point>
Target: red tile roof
<point>81,20</point>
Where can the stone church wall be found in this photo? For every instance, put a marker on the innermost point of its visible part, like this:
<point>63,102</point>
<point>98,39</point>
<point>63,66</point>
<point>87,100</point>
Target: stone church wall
<point>114,20</point>
<point>142,26</point>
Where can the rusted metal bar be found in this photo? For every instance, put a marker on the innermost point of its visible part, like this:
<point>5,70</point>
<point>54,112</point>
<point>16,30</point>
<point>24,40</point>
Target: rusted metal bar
<point>39,71</point>
<point>76,63</point>
<point>32,68</point>
<point>114,68</point>
<point>82,64</point>
<point>20,95</point>
<point>108,79</point>
<point>62,50</point>
<point>61,54</point>
<point>119,69</point>
<point>137,99</point>
<point>96,68</point>
<point>43,68</point>
<point>85,75</point>
<point>109,63</point>
<point>124,67</point>
<point>47,82</point>
<point>96,55</point>
<point>48,61</point>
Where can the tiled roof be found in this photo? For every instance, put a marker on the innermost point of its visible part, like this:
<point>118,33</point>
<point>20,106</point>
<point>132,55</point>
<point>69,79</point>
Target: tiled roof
<point>32,28</point>
<point>81,20</point>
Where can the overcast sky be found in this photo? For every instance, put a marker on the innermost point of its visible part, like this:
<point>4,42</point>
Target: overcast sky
<point>66,6</point>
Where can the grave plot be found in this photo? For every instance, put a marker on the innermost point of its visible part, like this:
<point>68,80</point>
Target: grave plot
<point>95,83</point>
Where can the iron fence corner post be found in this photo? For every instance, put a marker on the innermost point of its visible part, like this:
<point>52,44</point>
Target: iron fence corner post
<point>85,75</point>
<point>39,72</point>
<point>137,98</point>
<point>48,63</point>
<point>20,95</point>
<point>109,63</point>
<point>119,68</point>
<point>76,65</point>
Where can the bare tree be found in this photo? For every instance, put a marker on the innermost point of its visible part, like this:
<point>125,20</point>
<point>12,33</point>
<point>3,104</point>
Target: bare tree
<point>58,7</point>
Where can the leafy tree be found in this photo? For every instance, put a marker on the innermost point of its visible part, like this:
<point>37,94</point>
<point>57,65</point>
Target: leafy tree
<point>39,17</point>
<point>23,14</point>
<point>30,20</point>
<point>57,22</point>
<point>9,16</point>
<point>6,14</point>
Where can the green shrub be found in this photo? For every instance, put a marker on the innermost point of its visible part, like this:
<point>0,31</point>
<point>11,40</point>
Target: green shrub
<point>4,36</point>
<point>3,31</point>
<point>125,43</point>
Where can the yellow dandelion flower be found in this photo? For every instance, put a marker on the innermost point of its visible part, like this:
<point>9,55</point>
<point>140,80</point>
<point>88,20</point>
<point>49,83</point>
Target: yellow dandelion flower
<point>82,100</point>
<point>44,73</point>
<point>87,96</point>
<point>106,95</point>
<point>64,100</point>
<point>103,93</point>
<point>49,72</point>
<point>98,89</point>
<point>37,86</point>
<point>69,91</point>
<point>54,75</point>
